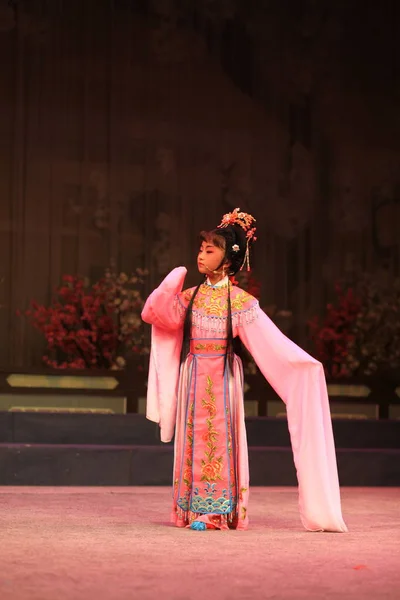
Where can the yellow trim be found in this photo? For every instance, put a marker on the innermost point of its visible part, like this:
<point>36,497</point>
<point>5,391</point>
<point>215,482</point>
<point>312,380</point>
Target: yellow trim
<point>62,381</point>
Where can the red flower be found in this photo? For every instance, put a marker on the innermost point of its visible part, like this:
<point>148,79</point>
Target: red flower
<point>82,326</point>
<point>333,333</point>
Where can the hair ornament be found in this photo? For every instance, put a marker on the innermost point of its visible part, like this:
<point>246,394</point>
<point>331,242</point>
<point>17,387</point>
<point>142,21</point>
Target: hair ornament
<point>246,222</point>
<point>236,217</point>
<point>250,234</point>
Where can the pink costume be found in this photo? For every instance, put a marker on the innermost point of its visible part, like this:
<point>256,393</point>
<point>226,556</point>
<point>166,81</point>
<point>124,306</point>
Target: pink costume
<point>202,404</point>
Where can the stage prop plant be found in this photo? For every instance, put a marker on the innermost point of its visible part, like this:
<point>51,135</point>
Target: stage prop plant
<point>92,326</point>
<point>359,334</point>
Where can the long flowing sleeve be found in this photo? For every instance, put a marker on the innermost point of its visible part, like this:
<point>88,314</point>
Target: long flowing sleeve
<point>163,313</point>
<point>299,380</point>
<point>161,308</point>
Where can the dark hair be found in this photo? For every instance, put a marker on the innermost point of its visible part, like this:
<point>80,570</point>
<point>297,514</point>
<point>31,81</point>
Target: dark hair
<point>233,240</point>
<point>228,238</point>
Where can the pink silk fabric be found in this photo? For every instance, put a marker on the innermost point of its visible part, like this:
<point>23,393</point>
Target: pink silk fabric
<point>297,378</point>
<point>211,473</point>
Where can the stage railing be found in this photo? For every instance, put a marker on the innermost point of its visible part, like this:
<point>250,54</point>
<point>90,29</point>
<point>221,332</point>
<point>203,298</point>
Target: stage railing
<point>125,391</point>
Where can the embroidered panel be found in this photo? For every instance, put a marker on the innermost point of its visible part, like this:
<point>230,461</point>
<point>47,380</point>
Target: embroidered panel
<point>214,300</point>
<point>205,479</point>
<point>211,465</point>
<point>210,347</point>
<point>203,318</point>
<point>209,503</point>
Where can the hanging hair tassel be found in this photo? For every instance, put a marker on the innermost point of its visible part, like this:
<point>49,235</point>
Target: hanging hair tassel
<point>246,259</point>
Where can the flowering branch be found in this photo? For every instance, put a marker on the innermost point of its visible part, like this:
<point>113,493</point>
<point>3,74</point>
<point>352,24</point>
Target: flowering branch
<point>96,326</point>
<point>360,331</point>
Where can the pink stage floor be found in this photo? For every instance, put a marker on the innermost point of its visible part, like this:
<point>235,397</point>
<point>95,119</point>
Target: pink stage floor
<point>116,543</point>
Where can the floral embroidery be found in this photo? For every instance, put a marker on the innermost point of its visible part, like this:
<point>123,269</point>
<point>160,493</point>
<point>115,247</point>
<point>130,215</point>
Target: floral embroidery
<point>244,512</point>
<point>187,478</point>
<point>242,491</point>
<point>229,442</point>
<point>240,300</point>
<point>187,474</point>
<point>210,347</point>
<point>214,300</point>
<point>209,484</point>
<point>233,479</point>
<point>211,467</point>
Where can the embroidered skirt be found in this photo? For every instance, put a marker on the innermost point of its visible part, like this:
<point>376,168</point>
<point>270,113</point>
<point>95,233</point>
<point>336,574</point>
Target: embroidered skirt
<point>211,474</point>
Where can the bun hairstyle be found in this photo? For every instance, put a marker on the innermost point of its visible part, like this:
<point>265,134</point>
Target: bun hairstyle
<point>235,236</point>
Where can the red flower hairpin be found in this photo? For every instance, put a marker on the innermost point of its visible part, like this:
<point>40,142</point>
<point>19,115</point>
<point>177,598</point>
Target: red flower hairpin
<point>246,222</point>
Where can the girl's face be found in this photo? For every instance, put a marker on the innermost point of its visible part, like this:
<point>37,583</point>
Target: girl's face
<point>209,258</point>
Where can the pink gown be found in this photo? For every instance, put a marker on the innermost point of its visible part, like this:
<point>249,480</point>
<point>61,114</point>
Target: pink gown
<point>201,403</point>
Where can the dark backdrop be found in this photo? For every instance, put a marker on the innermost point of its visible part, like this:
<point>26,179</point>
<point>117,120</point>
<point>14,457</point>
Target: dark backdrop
<point>126,127</point>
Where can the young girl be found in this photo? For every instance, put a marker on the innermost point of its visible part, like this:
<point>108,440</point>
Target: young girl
<point>195,390</point>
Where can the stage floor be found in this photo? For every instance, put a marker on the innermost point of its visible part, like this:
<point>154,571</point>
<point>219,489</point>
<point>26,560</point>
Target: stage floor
<point>117,544</point>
